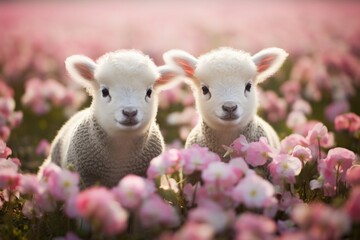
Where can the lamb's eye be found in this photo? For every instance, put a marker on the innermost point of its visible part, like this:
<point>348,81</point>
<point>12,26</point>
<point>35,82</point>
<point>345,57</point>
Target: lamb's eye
<point>205,90</point>
<point>148,94</point>
<point>247,88</point>
<point>105,93</point>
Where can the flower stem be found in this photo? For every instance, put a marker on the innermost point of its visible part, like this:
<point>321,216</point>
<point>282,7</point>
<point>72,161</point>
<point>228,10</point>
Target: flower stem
<point>319,153</point>
<point>194,195</point>
<point>168,180</point>
<point>337,180</point>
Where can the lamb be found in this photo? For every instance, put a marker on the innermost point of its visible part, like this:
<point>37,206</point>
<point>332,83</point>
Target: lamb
<point>117,135</point>
<point>224,84</point>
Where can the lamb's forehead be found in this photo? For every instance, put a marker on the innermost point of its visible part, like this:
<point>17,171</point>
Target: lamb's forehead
<point>125,65</point>
<point>225,63</point>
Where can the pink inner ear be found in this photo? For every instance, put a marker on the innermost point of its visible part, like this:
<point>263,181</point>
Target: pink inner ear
<point>84,71</point>
<point>189,70</point>
<point>164,79</point>
<point>265,63</point>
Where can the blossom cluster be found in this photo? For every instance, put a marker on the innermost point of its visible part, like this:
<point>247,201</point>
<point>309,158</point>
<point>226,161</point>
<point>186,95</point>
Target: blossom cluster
<point>41,96</point>
<point>194,193</point>
<point>9,118</point>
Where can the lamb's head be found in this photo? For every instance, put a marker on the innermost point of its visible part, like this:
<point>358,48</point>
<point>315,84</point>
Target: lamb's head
<point>224,82</point>
<point>124,86</point>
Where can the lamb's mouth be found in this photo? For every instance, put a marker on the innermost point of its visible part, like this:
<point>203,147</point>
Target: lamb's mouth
<point>229,117</point>
<point>129,122</point>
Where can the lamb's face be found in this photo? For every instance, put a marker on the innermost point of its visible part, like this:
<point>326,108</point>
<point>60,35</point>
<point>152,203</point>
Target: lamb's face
<point>124,88</point>
<point>225,90</point>
<point>125,98</point>
<point>224,82</point>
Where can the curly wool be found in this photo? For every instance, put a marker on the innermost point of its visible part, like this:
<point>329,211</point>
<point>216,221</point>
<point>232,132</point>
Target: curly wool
<point>204,136</point>
<point>101,160</point>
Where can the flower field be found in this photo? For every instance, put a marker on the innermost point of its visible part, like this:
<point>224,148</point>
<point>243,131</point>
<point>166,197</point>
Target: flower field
<point>307,189</point>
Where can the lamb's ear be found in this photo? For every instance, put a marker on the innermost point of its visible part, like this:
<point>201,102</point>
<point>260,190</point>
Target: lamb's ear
<point>182,59</point>
<point>268,61</point>
<point>81,69</point>
<point>168,77</point>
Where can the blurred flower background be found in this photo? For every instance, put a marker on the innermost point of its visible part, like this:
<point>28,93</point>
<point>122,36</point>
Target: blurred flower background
<point>319,82</point>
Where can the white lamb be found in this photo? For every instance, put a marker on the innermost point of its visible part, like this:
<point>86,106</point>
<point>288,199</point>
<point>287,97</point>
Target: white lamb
<point>117,134</point>
<point>224,84</point>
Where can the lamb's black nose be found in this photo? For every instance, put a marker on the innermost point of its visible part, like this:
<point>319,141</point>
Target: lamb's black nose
<point>129,112</point>
<point>229,107</point>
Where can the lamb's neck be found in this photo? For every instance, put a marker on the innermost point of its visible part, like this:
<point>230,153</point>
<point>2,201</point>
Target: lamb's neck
<point>122,141</point>
<point>224,136</point>
<point>127,142</point>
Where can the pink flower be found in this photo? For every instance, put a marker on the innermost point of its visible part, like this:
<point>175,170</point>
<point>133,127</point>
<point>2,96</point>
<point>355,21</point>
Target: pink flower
<point>194,193</point>
<point>285,167</point>
<point>9,179</point>
<point>239,147</point>
<point>334,167</point>
<point>8,164</point>
<point>348,121</point>
<point>5,90</point>
<point>288,144</point>
<point>132,190</point>
<point>253,226</point>
<point>156,212</point>
<point>184,117</point>
<point>287,202</point>
<point>285,226</point>
<point>4,150</point>
<point>296,120</point>
<point>291,90</point>
<point>258,152</point>
<point>62,183</point>
<point>167,183</point>
<point>70,206</point>
<point>302,106</point>
<point>219,174</point>
<point>43,201</point>
<point>353,175</point>
<point>167,163</point>
<point>15,119</point>
<point>336,108</point>
<point>197,158</point>
<point>352,206</point>
<point>302,153</point>
<point>7,106</point>
<point>99,205</point>
<point>30,210</point>
<point>319,135</point>
<point>211,213</point>
<point>274,106</point>
<point>29,184</point>
<point>4,132</point>
<point>239,167</point>
<point>43,148</point>
<point>253,191</point>
<point>321,221</point>
<point>194,231</point>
